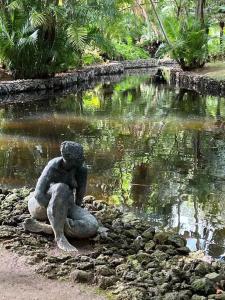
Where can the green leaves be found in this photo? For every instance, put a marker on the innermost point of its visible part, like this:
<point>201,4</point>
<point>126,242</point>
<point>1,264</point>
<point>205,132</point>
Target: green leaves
<point>189,41</point>
<point>77,36</point>
<point>38,19</point>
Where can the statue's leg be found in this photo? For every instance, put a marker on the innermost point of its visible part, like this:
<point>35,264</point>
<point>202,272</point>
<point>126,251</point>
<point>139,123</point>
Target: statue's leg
<point>80,223</point>
<point>59,204</point>
<point>38,213</point>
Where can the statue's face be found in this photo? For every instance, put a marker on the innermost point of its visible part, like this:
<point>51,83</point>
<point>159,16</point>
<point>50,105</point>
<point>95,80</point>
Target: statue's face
<point>73,162</point>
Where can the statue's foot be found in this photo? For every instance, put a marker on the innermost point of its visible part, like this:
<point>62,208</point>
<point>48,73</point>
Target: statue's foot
<point>33,225</point>
<point>64,245</point>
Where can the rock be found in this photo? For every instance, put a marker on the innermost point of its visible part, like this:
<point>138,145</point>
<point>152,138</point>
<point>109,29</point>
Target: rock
<point>164,288</point>
<point>177,241</point>
<point>121,269</point>
<point>81,276</point>
<point>106,282</point>
<point>11,198</point>
<point>220,297</point>
<point>171,296</point>
<point>148,234</point>
<point>197,297</point>
<point>183,250</point>
<point>132,294</point>
<point>149,246</point>
<point>161,237</point>
<point>132,233</point>
<point>202,268</point>
<point>130,276</point>
<point>203,286</point>
<point>159,255</point>
<point>129,218</point>
<point>89,199</point>
<point>104,270</point>
<point>143,257</point>
<point>213,296</point>
<point>85,266</point>
<point>184,295</point>
<point>7,232</point>
<point>214,277</point>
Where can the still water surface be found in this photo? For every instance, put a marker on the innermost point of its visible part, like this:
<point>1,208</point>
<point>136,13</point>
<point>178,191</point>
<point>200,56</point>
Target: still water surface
<point>149,147</point>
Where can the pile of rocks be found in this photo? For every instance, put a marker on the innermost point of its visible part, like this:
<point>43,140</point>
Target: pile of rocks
<point>130,259</point>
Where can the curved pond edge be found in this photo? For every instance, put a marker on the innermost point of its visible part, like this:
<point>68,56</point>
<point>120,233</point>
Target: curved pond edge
<point>196,82</point>
<point>64,80</point>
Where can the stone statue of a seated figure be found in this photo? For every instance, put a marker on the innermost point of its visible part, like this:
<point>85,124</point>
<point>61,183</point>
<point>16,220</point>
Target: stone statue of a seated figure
<point>58,196</point>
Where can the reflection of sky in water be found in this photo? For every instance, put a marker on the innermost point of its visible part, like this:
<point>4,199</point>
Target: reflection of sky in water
<point>159,151</point>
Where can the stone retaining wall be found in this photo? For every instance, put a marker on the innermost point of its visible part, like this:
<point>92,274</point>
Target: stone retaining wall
<point>46,94</point>
<point>74,79</point>
<point>65,80</point>
<point>199,83</point>
<point>60,80</point>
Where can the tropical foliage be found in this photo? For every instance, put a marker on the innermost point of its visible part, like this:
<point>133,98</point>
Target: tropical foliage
<point>40,38</point>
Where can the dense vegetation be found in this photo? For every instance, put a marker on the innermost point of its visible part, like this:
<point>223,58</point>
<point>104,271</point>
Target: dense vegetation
<point>40,38</point>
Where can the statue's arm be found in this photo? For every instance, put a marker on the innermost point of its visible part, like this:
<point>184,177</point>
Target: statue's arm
<point>81,178</point>
<point>42,186</point>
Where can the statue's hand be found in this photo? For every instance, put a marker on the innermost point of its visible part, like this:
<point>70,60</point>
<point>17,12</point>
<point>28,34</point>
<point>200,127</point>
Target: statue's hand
<point>42,199</point>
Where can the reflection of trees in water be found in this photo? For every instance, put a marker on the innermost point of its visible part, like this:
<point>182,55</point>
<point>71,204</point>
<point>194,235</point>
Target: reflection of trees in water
<point>140,184</point>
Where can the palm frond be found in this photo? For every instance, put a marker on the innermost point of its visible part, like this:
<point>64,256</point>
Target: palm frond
<point>77,36</point>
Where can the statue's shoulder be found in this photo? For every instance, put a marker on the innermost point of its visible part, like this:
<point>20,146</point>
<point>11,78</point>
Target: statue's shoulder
<point>54,163</point>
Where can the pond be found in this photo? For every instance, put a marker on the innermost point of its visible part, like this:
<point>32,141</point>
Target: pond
<point>158,151</point>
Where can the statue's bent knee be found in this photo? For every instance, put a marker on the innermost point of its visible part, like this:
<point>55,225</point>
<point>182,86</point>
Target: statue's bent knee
<point>60,188</point>
<point>37,211</point>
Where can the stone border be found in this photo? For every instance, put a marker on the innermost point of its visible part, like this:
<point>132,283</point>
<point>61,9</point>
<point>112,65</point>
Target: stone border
<point>199,83</point>
<point>44,95</point>
<point>65,80</point>
<point>74,79</point>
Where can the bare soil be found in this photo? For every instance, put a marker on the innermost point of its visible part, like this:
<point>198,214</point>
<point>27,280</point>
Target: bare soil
<point>214,70</point>
<point>18,281</point>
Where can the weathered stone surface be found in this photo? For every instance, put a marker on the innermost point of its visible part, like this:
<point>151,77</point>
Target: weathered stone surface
<point>177,241</point>
<point>214,277</point>
<point>104,271</point>
<point>106,282</point>
<point>199,83</point>
<point>198,297</point>
<point>148,234</point>
<point>203,286</point>
<point>81,276</point>
<point>149,246</point>
<point>202,268</point>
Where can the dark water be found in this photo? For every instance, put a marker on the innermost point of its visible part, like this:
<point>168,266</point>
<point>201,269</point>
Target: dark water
<point>157,150</point>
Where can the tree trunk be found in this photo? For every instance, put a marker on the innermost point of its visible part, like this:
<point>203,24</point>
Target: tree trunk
<point>222,24</point>
<point>200,10</point>
<point>160,22</point>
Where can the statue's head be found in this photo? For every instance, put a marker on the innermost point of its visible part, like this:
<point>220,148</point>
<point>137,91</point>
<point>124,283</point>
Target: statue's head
<point>72,153</point>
